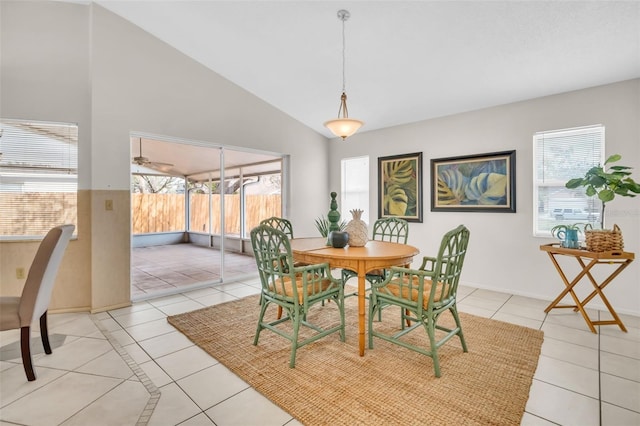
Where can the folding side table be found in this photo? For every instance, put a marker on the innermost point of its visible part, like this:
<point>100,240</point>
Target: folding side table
<point>587,260</point>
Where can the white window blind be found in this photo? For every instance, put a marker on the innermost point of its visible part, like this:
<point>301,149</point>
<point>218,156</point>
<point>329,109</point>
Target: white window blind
<point>560,155</point>
<point>38,177</point>
<point>354,187</point>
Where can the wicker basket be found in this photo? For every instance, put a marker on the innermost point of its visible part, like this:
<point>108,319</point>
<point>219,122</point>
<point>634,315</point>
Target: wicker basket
<point>600,240</point>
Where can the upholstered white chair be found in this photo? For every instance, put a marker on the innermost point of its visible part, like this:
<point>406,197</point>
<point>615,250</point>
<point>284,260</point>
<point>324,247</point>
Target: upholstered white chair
<point>20,312</point>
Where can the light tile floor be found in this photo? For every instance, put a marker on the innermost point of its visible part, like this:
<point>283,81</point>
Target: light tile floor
<point>158,270</point>
<point>129,366</point>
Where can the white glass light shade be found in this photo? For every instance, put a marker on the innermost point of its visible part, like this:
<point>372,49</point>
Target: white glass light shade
<point>343,127</point>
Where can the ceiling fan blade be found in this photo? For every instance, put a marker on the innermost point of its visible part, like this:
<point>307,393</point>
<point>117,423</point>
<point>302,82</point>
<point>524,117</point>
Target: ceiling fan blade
<point>145,162</point>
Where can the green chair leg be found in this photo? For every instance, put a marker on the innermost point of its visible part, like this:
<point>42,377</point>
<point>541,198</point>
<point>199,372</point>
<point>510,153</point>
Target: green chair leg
<point>454,312</point>
<point>263,309</point>
<point>294,341</point>
<point>433,344</point>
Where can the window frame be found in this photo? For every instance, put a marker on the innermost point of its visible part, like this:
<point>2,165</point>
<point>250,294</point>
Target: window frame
<point>348,203</point>
<point>593,137</point>
<point>38,159</point>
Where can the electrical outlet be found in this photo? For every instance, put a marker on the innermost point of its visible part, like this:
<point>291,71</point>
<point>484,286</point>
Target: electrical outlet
<point>108,204</point>
<point>20,273</point>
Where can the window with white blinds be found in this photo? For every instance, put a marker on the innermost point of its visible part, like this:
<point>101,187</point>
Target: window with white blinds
<point>354,187</point>
<point>561,155</point>
<point>38,177</point>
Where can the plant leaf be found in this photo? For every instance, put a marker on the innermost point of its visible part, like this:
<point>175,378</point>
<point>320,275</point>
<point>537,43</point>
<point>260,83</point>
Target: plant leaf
<point>606,195</point>
<point>620,168</point>
<point>574,183</point>
<point>613,158</point>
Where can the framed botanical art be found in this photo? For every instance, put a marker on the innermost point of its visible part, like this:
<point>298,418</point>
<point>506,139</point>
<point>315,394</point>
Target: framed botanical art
<point>484,182</point>
<point>400,186</point>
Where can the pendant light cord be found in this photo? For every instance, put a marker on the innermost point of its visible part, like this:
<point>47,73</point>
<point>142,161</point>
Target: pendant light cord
<point>343,15</point>
<point>344,61</point>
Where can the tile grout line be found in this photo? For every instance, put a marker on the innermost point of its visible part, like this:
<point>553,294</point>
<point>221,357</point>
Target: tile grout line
<point>599,372</point>
<point>154,392</point>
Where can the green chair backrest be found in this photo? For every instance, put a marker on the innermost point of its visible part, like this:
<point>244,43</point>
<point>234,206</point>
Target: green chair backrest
<point>391,229</point>
<point>272,251</point>
<point>279,223</point>
<point>448,264</point>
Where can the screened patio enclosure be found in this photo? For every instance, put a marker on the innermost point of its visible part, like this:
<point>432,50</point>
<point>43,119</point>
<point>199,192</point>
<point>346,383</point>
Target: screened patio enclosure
<point>193,207</point>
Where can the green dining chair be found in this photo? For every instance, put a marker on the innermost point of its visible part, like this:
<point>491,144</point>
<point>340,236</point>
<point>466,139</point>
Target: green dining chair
<point>279,223</point>
<point>285,226</point>
<point>422,295</point>
<point>296,289</point>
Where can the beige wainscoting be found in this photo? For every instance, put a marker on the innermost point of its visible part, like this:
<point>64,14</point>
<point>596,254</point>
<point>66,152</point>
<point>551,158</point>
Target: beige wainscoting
<point>110,249</point>
<point>95,271</point>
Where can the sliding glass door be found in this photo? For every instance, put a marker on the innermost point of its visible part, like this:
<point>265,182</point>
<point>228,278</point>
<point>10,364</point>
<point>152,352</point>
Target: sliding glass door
<point>191,216</point>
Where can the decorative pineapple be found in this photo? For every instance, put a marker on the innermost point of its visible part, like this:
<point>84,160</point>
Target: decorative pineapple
<point>357,229</point>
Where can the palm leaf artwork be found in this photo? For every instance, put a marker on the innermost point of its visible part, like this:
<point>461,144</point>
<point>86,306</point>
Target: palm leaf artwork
<point>400,187</point>
<point>473,183</point>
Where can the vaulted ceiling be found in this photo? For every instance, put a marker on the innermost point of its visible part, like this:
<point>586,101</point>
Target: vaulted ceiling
<point>405,60</point>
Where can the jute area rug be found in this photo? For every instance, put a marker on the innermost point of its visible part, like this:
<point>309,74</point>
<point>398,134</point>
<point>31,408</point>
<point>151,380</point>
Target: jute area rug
<point>332,385</point>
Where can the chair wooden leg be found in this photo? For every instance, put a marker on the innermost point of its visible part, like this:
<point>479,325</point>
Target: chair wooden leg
<point>404,318</point>
<point>44,333</point>
<point>454,311</point>
<point>279,312</point>
<point>297,318</point>
<point>263,309</point>
<point>372,302</point>
<point>433,345</point>
<point>25,336</point>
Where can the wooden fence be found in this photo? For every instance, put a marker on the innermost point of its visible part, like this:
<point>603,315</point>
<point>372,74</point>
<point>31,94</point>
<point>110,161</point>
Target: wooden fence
<point>166,212</point>
<point>33,213</point>
<point>150,212</point>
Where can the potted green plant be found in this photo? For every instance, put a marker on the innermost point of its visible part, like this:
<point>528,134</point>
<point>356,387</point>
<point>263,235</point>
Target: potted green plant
<point>568,234</point>
<point>606,184</point>
<point>322,225</point>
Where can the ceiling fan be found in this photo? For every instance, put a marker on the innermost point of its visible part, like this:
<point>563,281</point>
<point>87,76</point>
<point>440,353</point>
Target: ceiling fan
<point>145,162</point>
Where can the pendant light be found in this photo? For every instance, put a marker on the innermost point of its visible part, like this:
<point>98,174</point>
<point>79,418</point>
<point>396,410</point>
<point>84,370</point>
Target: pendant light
<point>343,126</point>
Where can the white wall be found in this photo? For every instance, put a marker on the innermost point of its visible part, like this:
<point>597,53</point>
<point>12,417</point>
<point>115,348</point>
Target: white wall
<point>503,254</point>
<point>45,66</point>
<point>142,84</point>
<point>80,63</point>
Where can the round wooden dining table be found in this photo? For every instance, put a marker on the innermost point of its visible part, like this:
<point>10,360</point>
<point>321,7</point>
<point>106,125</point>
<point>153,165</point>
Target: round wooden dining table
<point>374,255</point>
